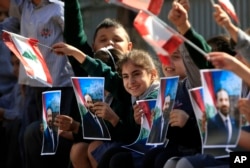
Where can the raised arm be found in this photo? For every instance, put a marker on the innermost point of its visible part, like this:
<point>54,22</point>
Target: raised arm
<point>223,20</point>
<point>179,17</point>
<point>225,61</point>
<point>75,35</point>
<point>241,39</point>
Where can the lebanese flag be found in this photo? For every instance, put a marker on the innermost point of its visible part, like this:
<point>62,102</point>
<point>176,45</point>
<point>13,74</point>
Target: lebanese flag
<point>78,91</point>
<point>159,36</point>
<point>30,56</point>
<point>197,100</point>
<point>154,6</point>
<point>229,8</point>
<point>208,86</point>
<point>147,107</point>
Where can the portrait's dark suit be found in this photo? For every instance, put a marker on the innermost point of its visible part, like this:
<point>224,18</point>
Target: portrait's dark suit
<point>48,146</point>
<point>158,131</point>
<point>217,133</point>
<point>92,128</point>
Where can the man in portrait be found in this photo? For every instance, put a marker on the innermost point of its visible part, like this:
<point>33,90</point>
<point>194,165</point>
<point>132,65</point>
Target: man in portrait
<point>50,137</point>
<point>160,124</point>
<point>222,128</point>
<point>94,127</point>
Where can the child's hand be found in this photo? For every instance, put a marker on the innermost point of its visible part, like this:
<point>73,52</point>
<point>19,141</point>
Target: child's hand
<point>103,110</point>
<point>184,3</point>
<point>244,107</point>
<point>223,61</point>
<point>179,17</point>
<point>138,112</point>
<point>178,118</point>
<point>63,122</point>
<point>221,17</point>
<point>64,49</point>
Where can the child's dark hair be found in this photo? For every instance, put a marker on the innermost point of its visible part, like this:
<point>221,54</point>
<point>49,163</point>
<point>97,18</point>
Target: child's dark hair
<point>109,56</point>
<point>221,43</point>
<point>107,23</point>
<point>139,58</point>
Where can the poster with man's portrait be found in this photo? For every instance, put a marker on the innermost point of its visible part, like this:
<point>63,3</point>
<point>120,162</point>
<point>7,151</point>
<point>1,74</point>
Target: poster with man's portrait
<point>222,90</point>
<point>139,145</point>
<point>164,105</point>
<point>88,91</point>
<point>51,101</point>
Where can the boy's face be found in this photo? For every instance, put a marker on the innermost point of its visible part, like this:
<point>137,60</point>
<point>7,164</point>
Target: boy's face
<point>116,37</point>
<point>15,63</point>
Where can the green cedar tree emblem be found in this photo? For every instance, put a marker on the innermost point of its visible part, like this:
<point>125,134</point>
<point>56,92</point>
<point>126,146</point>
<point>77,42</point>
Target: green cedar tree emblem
<point>28,54</point>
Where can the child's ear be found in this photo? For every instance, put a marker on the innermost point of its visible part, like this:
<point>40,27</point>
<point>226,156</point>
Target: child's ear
<point>154,74</point>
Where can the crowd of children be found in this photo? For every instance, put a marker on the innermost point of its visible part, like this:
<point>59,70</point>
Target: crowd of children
<point>130,75</point>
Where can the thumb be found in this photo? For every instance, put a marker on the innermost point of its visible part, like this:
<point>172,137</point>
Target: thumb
<point>217,8</point>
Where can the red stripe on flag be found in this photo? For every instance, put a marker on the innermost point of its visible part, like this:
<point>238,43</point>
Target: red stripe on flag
<point>147,111</point>
<point>139,23</point>
<point>163,89</point>
<point>164,59</point>
<point>9,42</point>
<point>44,106</point>
<point>155,6</point>
<point>76,83</point>
<point>33,44</point>
<point>209,81</point>
<point>229,8</point>
<point>198,99</point>
<point>172,44</point>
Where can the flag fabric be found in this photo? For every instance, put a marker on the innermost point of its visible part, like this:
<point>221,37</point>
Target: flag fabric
<point>196,96</point>
<point>159,36</point>
<point>197,100</point>
<point>139,145</point>
<point>77,88</point>
<point>229,8</point>
<point>30,56</point>
<point>154,6</point>
<point>148,107</point>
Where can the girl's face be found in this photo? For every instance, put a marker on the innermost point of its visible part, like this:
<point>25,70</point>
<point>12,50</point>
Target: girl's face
<point>136,80</point>
<point>112,36</point>
<point>176,67</point>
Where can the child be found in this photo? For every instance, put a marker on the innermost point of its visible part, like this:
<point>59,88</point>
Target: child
<point>7,79</point>
<point>186,29</point>
<point>44,21</point>
<point>108,33</point>
<point>112,111</point>
<point>139,75</point>
<point>11,113</point>
<point>224,61</point>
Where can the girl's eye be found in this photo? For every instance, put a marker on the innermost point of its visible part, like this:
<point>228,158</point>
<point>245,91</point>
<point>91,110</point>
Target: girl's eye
<point>124,76</point>
<point>136,74</point>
